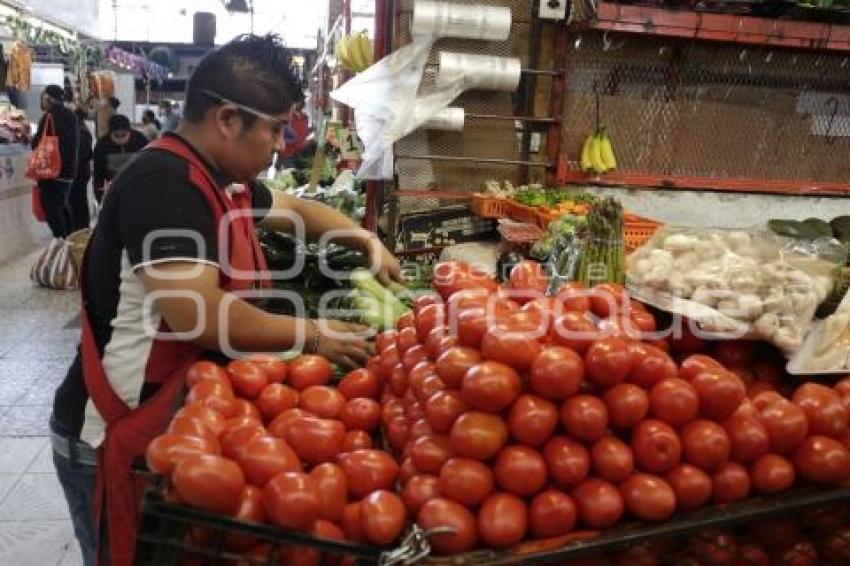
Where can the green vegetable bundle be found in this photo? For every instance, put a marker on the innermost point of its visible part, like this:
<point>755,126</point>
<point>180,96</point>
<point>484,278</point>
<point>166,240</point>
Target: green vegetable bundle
<point>603,256</point>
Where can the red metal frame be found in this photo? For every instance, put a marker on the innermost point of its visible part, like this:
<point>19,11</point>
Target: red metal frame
<point>721,27</point>
<point>556,103</point>
<point>379,50</point>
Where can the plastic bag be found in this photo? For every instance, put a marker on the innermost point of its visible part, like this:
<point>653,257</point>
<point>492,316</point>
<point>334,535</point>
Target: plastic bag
<point>484,256</point>
<point>736,283</point>
<point>55,267</point>
<point>827,347</point>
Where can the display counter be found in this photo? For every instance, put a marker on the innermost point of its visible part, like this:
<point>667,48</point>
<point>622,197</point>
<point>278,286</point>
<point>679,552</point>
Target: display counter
<point>19,231</point>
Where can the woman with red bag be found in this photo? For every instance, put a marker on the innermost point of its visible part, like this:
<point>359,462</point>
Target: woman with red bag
<point>55,192</point>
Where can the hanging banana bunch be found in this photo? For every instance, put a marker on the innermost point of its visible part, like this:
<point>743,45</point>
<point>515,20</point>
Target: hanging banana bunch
<point>597,153</point>
<point>354,52</point>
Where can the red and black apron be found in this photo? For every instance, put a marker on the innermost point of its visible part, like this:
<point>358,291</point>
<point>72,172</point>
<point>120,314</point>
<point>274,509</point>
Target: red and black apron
<point>129,431</point>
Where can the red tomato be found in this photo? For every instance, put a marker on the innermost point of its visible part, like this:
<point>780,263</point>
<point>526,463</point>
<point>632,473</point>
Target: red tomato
<point>315,440</point>
<point>627,405</point>
<point>532,419</point>
<point>648,497</point>
<point>556,373</point>
<point>360,383</point>
<point>465,481</point>
<point>453,364</point>
<point>382,517</point>
<point>720,393</point>
<point>244,408</point>
<point>822,460</point>
<point>211,419</point>
<point>786,425</point>
<point>429,453</point>
<point>418,490</point>
<point>478,435</point>
<point>442,409</point>
<point>361,413</point>
<point>835,546</point>
<point>204,369</point>
<point>351,523</point>
<point>520,470</point>
<point>801,554</point>
<point>398,434</point>
<point>502,520</point>
<point>650,365</point>
<point>450,277</point>
<point>281,422</point>
<point>656,446</point>
<point>585,417</point>
<point>265,457</point>
<point>166,450</point>
<point>428,318</point>
<point>574,330</point>
<point>248,379</point>
<point>216,395</point>
<point>608,361</point>
<point>765,398</point>
<point>706,444</point>
<point>384,340</point>
<point>599,503</point>
<point>490,387</point>
<point>275,398</point>
<point>419,429</point>
<point>567,460</point>
<point>824,409</point>
<point>368,470</point>
<point>209,481</point>
<point>612,459</point>
<point>735,352</point>
<point>413,356</point>
<point>696,364</point>
<point>440,512</point>
<point>428,386</point>
<point>190,426</point>
<point>397,381</point>
<point>438,341</point>
<point>552,513</point>
<point>238,433</point>
<point>606,298</point>
<point>748,437</point>
<point>772,473</point>
<point>322,401</point>
<point>674,401</point>
<point>333,490</point>
<point>275,368</point>
<point>574,297</point>
<point>356,440</point>
<point>406,339</point>
<point>527,281</point>
<point>406,320</point>
<point>309,556</point>
<point>730,482</point>
<point>715,547</point>
<point>691,485</point>
<point>292,500</point>
<point>515,348</point>
<point>749,554</point>
<point>307,370</point>
<point>249,509</point>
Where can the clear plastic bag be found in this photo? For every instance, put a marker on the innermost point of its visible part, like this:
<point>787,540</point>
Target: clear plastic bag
<point>737,283</point>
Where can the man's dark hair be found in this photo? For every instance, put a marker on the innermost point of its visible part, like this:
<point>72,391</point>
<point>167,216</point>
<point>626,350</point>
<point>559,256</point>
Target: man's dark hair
<point>114,102</point>
<point>149,116</point>
<point>119,122</point>
<point>252,70</point>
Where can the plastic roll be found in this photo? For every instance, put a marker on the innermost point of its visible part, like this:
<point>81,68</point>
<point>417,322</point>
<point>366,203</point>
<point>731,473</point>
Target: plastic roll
<point>478,71</point>
<point>469,21</point>
<point>450,119</point>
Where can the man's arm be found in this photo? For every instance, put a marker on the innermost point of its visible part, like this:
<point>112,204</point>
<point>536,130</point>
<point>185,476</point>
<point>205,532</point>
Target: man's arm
<point>198,298</point>
<point>319,218</point>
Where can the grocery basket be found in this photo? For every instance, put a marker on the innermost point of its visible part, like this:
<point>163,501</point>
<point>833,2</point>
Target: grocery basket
<point>531,215</point>
<point>490,207</point>
<point>637,230</point>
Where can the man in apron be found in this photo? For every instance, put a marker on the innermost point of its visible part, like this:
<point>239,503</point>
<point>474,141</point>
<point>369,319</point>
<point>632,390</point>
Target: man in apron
<point>173,251</point>
<point>113,151</point>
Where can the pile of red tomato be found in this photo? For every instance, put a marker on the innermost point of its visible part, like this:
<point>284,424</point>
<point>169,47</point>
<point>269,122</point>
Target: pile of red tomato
<point>265,441</point>
<point>509,428</point>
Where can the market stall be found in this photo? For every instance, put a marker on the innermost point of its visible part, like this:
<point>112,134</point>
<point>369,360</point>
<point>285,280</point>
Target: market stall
<point>623,337</point>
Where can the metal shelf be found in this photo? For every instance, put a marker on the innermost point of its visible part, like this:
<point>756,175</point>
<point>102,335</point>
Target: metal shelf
<point>721,27</point>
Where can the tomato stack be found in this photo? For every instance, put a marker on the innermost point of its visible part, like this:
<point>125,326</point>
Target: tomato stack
<point>518,416</point>
<point>265,441</point>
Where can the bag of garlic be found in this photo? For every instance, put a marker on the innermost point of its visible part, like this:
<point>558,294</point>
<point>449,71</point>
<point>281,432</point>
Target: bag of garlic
<point>826,350</point>
<point>736,283</point>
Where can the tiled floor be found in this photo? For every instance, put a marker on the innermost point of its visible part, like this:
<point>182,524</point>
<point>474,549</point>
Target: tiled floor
<point>35,351</point>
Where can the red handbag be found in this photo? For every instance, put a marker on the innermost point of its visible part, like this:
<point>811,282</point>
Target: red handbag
<point>37,209</point>
<point>45,161</point>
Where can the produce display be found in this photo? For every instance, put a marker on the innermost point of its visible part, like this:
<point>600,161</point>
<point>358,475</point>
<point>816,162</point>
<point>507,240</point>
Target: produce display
<point>354,52</point>
<point>745,282</point>
<point>546,199</point>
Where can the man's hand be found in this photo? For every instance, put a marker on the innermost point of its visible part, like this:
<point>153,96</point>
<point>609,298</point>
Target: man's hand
<point>343,343</point>
<point>386,266</point>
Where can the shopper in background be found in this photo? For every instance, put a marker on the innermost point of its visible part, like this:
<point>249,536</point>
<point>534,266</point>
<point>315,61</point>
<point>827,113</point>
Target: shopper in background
<point>104,110</point>
<point>79,197</point>
<point>170,118</point>
<point>295,133</point>
<point>112,152</point>
<point>150,125</point>
<point>55,192</point>
<point>178,224</point>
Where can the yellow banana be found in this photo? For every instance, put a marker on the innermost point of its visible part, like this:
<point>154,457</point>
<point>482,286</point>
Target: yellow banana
<point>365,50</point>
<point>596,155</point>
<point>355,48</point>
<point>344,52</point>
<point>607,152</point>
<point>586,165</point>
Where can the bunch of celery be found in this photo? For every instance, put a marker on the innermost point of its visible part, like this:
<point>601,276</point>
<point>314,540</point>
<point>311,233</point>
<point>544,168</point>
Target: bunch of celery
<point>377,306</point>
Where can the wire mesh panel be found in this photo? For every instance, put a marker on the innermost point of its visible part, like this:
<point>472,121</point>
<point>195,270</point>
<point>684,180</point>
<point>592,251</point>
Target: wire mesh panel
<point>696,109</point>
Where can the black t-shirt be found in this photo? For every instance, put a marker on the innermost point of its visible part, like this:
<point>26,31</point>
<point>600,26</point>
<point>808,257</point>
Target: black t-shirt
<point>152,213</point>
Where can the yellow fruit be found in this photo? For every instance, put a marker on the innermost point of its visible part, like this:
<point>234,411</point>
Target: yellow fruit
<point>607,152</point>
<point>366,50</point>
<point>596,156</point>
<point>355,48</point>
<point>586,165</point>
<point>344,53</point>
